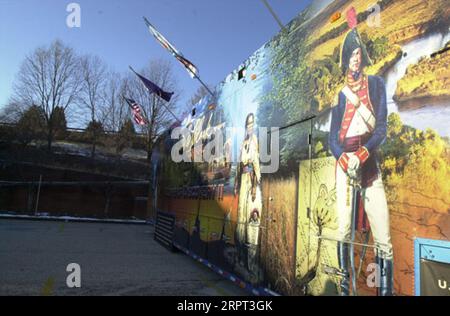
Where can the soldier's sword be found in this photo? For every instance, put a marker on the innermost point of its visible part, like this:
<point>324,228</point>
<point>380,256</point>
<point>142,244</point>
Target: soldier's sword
<point>353,231</point>
<point>363,255</point>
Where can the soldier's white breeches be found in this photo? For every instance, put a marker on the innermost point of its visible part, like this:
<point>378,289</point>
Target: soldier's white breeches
<point>375,205</point>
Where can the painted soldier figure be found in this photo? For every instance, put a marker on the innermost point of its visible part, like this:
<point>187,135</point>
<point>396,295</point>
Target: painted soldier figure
<point>358,128</point>
<point>250,202</point>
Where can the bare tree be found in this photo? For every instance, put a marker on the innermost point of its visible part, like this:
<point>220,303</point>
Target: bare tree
<point>115,109</point>
<point>199,94</point>
<point>154,108</point>
<point>93,71</point>
<point>49,77</point>
<point>12,111</point>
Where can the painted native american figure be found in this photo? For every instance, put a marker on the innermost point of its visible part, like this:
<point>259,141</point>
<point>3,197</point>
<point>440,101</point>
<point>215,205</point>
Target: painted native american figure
<point>247,186</point>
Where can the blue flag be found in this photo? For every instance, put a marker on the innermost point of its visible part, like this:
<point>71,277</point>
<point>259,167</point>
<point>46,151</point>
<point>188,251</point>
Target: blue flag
<point>153,88</point>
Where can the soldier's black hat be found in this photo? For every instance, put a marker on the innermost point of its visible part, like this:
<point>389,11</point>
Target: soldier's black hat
<point>353,41</point>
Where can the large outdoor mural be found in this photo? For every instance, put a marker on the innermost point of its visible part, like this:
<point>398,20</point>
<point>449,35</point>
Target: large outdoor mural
<point>360,92</point>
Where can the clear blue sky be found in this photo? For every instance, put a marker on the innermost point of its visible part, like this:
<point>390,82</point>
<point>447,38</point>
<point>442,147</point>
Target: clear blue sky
<point>216,35</point>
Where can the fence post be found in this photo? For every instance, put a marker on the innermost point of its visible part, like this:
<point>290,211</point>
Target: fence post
<point>38,193</point>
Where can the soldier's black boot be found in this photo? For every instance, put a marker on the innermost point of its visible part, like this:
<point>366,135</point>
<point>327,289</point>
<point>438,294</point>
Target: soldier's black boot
<point>386,278</point>
<point>343,258</point>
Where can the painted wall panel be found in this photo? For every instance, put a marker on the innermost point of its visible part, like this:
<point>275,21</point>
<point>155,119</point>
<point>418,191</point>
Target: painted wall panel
<point>387,78</point>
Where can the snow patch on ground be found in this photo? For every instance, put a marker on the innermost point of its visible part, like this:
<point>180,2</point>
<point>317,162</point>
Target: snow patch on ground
<point>79,149</point>
<point>46,216</point>
<point>131,153</point>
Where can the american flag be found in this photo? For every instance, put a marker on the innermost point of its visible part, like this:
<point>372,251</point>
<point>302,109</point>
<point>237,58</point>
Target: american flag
<point>136,110</point>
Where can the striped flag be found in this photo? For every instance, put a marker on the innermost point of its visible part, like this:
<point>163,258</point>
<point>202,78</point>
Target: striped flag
<point>190,67</point>
<point>136,110</point>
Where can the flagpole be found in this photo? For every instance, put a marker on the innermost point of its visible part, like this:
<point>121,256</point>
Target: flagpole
<point>176,118</point>
<point>147,22</point>
<point>204,85</point>
<point>274,15</point>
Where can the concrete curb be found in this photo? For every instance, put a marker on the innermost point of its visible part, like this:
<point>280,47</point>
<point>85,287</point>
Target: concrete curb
<point>75,219</point>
